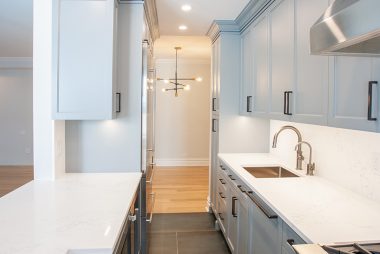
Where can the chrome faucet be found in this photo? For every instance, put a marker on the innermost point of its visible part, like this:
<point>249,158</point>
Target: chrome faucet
<point>310,166</point>
<point>299,144</point>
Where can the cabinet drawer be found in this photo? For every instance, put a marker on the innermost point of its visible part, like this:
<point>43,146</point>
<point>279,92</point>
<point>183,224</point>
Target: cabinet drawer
<point>290,237</point>
<point>221,182</point>
<point>222,215</point>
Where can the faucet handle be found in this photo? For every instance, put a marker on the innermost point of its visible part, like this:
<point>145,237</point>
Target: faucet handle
<point>310,169</point>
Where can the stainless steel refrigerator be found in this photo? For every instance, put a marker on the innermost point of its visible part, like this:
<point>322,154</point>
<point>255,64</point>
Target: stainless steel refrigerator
<point>147,143</point>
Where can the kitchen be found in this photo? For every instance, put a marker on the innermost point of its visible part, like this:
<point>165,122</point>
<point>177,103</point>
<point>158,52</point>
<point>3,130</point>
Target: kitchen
<point>294,161</point>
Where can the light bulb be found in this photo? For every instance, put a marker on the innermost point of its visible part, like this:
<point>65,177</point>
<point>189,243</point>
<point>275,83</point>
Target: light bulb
<point>166,81</point>
<point>163,89</point>
<point>199,79</point>
<point>182,27</point>
<point>186,8</point>
<point>187,87</point>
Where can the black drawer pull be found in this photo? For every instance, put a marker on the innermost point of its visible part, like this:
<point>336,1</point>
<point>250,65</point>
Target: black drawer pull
<point>268,214</point>
<point>370,100</point>
<point>222,182</point>
<point>221,195</point>
<point>231,177</point>
<point>290,242</point>
<point>233,212</point>
<point>249,104</point>
<point>241,189</point>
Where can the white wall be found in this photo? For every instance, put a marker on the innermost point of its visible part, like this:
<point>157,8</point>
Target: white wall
<point>16,114</point>
<point>114,145</point>
<point>48,135</point>
<point>347,157</point>
<point>183,123</point>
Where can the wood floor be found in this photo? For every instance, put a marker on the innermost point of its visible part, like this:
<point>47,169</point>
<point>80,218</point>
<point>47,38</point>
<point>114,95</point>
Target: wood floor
<point>180,189</point>
<point>12,177</point>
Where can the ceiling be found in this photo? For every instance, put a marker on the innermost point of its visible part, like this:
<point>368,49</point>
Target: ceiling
<point>16,28</point>
<point>199,19</point>
<point>193,47</point>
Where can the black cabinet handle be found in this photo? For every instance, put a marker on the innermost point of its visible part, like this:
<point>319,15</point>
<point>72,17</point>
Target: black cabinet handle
<point>268,214</point>
<point>221,181</point>
<point>231,177</point>
<point>118,97</point>
<point>222,168</point>
<point>287,103</point>
<point>213,125</point>
<point>249,104</point>
<point>290,242</point>
<point>213,104</point>
<point>241,189</point>
<point>370,100</point>
<point>221,195</point>
<point>234,199</point>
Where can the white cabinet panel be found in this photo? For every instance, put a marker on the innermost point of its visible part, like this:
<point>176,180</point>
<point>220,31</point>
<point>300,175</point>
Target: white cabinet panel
<point>349,93</point>
<point>311,86</point>
<point>233,208</point>
<point>247,73</point>
<point>261,64</point>
<point>282,57</point>
<point>84,59</point>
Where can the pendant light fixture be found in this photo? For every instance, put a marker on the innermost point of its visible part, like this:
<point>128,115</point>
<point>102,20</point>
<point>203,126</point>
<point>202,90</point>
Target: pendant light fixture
<point>175,81</point>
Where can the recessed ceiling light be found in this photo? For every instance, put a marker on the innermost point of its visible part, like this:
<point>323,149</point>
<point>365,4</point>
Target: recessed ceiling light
<point>182,27</point>
<point>186,7</point>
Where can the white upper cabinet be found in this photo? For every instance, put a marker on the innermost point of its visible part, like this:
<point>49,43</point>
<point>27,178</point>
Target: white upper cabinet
<point>247,73</point>
<point>83,59</point>
<point>350,101</point>
<point>282,60</point>
<point>215,65</point>
<point>311,84</point>
<point>260,101</point>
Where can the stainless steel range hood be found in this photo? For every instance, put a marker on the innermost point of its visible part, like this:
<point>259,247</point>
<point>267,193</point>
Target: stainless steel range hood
<point>348,27</point>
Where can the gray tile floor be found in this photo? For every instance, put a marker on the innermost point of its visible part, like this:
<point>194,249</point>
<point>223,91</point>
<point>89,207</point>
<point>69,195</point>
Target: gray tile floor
<point>188,233</point>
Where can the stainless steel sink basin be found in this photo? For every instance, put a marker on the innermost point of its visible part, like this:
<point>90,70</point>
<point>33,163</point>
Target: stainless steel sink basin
<point>269,172</point>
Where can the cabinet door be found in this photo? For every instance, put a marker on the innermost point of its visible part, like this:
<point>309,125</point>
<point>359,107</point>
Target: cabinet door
<point>349,97</point>
<point>282,57</point>
<point>260,101</point>
<point>214,161</point>
<point>247,74</point>
<point>311,86</point>
<point>215,62</point>
<point>244,225</point>
<point>84,59</point>
<point>233,207</point>
<point>266,232</point>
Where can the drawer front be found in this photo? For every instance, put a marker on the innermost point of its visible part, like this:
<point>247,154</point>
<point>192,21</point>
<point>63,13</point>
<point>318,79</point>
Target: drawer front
<point>290,237</point>
<point>221,182</point>
<point>222,215</point>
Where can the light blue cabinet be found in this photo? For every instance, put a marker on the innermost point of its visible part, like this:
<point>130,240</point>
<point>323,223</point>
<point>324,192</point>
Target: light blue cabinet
<point>281,47</point>
<point>247,68</point>
<point>84,62</point>
<point>310,104</point>
<point>350,101</point>
<point>266,228</point>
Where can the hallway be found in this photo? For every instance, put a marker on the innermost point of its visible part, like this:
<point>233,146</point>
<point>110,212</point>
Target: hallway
<point>180,189</point>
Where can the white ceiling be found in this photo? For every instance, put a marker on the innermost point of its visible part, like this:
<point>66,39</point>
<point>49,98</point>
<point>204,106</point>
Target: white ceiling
<point>16,28</point>
<point>199,19</point>
<point>193,47</point>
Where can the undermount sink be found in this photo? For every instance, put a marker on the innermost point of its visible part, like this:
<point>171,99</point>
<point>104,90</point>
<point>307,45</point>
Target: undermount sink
<point>269,172</point>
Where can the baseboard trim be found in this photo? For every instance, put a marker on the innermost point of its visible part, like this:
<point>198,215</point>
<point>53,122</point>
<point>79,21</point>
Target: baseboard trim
<point>182,162</point>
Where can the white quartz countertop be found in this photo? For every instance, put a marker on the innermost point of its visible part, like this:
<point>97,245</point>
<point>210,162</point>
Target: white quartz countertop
<point>318,210</point>
<point>75,212</point>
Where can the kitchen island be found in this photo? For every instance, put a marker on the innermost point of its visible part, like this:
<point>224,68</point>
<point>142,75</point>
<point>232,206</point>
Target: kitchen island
<point>77,213</point>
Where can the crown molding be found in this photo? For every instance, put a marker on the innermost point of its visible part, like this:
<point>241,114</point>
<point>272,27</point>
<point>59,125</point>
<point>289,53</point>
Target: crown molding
<point>251,12</point>
<point>222,26</point>
<point>150,9</point>
<point>16,62</point>
<point>248,15</point>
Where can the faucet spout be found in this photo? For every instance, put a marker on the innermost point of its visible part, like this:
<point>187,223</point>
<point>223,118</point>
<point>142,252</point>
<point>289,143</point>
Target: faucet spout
<point>310,165</point>
<point>299,143</point>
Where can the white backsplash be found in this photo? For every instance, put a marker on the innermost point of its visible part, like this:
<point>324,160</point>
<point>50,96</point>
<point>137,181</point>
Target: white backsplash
<point>347,157</point>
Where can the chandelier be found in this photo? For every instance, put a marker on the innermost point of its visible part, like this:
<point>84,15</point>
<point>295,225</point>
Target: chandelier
<point>175,81</point>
